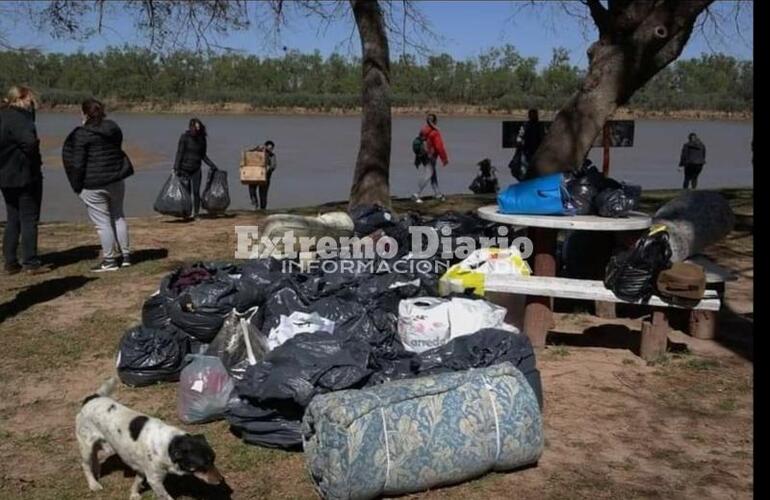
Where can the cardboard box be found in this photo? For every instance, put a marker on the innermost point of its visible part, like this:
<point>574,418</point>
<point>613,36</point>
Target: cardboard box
<point>253,158</point>
<point>253,168</point>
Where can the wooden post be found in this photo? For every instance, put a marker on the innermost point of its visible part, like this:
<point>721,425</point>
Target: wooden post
<point>654,336</point>
<point>703,324</point>
<point>538,318</point>
<point>606,143</point>
<point>605,310</point>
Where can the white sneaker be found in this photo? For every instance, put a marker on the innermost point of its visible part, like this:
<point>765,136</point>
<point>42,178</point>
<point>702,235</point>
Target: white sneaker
<point>416,198</point>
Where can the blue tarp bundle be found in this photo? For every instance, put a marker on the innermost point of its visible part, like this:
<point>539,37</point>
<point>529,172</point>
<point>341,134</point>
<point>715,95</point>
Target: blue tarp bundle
<point>545,195</point>
<point>411,435</point>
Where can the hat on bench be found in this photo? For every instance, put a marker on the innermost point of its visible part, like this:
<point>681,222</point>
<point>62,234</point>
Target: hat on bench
<point>683,284</point>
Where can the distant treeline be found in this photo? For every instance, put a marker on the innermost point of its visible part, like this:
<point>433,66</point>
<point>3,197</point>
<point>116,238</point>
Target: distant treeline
<point>499,79</point>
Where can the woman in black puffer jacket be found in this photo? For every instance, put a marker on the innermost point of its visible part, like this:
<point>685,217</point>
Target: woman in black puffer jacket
<point>21,181</point>
<point>189,156</point>
<point>96,166</point>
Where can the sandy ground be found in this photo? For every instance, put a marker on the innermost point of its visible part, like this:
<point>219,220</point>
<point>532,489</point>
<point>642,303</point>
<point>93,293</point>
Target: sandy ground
<point>616,427</point>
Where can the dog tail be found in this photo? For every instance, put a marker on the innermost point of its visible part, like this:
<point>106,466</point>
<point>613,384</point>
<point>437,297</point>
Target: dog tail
<point>105,390</point>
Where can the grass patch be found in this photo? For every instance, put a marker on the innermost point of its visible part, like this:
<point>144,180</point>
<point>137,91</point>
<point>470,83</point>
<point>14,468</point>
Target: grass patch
<point>727,405</point>
<point>558,351</point>
<point>701,364</point>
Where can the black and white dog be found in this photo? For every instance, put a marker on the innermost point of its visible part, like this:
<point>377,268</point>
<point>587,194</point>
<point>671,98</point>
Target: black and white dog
<point>153,449</point>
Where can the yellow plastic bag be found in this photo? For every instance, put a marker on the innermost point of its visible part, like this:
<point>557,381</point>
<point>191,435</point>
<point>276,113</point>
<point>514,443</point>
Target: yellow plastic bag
<point>471,273</point>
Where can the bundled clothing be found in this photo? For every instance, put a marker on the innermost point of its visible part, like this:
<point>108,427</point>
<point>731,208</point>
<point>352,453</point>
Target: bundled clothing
<point>191,153</point>
<point>21,182</point>
<point>96,167</point>
<point>692,159</point>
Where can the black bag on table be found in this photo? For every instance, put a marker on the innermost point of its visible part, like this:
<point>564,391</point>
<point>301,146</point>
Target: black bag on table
<point>216,196</point>
<point>617,202</point>
<point>174,198</point>
<point>631,275</point>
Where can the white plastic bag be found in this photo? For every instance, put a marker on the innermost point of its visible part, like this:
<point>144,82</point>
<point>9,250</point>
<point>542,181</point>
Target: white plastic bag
<point>428,322</point>
<point>423,323</point>
<point>297,322</point>
<point>468,316</point>
<point>238,344</point>
<point>204,388</point>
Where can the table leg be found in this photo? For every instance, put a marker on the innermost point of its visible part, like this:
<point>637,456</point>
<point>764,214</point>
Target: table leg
<point>537,313</point>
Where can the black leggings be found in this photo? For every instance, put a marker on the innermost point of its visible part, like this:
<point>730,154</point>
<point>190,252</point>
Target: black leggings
<point>691,173</point>
<point>22,208</point>
<point>194,181</point>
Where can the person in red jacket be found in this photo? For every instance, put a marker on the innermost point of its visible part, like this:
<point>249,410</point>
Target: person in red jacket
<point>433,149</point>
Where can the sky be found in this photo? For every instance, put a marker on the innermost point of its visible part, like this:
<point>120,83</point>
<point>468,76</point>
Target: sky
<point>462,29</point>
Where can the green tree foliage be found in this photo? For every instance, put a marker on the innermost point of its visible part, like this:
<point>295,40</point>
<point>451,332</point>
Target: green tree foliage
<point>499,78</point>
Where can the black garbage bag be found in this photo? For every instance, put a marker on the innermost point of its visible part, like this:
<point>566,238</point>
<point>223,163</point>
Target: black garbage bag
<point>631,275</point>
<point>200,310</point>
<point>518,166</point>
<point>155,311</point>
<point>458,224</point>
<point>281,302</point>
<point>262,427</point>
<point>216,196</point>
<point>617,202</point>
<point>369,218</point>
<point>484,348</point>
<point>174,283</point>
<point>174,198</point>
<point>147,356</point>
<point>583,185</point>
<point>270,401</point>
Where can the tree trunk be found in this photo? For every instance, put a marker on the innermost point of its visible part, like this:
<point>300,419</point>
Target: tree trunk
<point>371,178</point>
<point>637,39</point>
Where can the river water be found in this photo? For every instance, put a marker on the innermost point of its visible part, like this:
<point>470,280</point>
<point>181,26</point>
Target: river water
<point>316,155</point>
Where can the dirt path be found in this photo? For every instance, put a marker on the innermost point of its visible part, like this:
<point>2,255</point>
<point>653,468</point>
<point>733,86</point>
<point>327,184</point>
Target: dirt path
<point>615,426</point>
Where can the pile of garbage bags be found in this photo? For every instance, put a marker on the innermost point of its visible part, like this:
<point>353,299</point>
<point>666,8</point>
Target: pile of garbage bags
<point>584,191</point>
<point>593,194</point>
<point>254,343</point>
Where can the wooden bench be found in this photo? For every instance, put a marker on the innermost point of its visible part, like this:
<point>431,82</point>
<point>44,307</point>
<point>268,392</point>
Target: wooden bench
<point>654,332</point>
<point>703,324</point>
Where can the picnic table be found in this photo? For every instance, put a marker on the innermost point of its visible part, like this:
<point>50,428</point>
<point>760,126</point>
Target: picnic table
<point>543,230</point>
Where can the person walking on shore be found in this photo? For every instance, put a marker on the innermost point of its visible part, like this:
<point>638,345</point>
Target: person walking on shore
<point>96,167</point>
<point>190,154</point>
<point>21,180</point>
<point>258,192</point>
<point>692,159</point>
<point>426,156</point>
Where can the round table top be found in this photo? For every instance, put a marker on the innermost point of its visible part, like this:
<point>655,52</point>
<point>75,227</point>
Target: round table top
<point>634,221</point>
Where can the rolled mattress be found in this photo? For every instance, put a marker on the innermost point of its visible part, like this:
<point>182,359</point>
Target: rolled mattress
<point>411,435</point>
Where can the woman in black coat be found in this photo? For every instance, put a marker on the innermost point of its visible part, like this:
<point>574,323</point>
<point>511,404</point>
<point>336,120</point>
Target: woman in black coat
<point>21,180</point>
<point>96,167</point>
<point>190,154</point>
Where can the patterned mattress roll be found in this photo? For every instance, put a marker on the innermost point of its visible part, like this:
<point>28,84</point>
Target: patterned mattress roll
<point>415,434</point>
